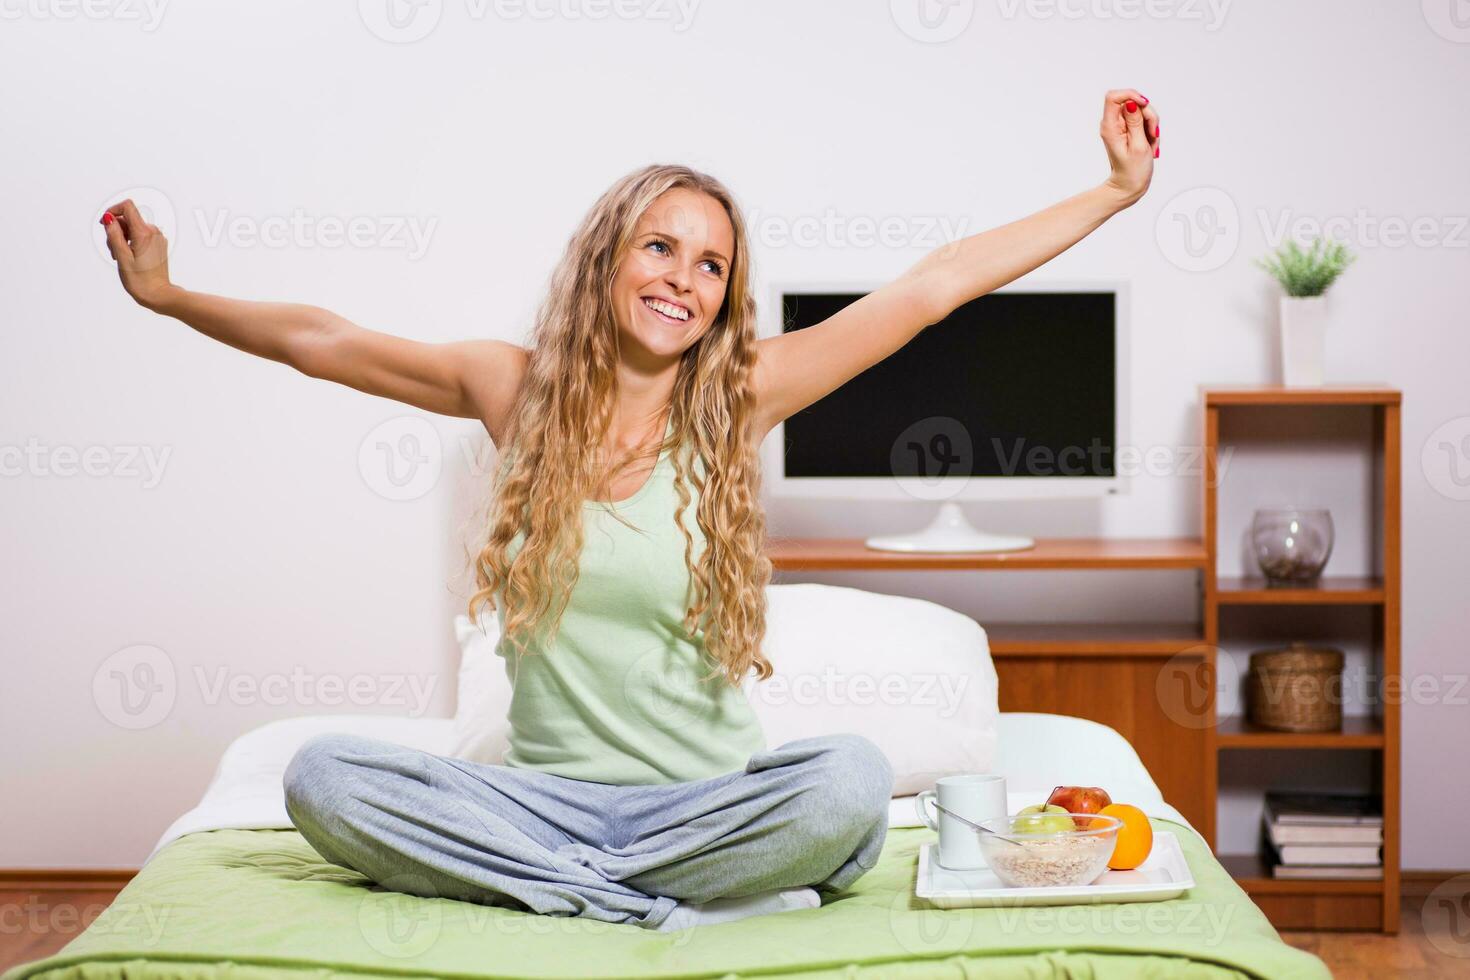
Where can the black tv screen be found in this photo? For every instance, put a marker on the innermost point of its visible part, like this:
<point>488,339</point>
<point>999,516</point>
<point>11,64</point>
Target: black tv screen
<point>1013,384</point>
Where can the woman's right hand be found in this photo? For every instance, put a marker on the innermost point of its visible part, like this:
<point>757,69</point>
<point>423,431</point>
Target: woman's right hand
<point>141,253</point>
<point>1130,132</point>
<point>473,379</point>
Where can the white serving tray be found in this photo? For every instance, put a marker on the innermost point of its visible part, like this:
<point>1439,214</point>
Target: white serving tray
<point>1164,875</point>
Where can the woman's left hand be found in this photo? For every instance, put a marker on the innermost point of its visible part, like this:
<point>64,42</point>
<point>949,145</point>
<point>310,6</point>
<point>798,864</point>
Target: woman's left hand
<point>1130,131</point>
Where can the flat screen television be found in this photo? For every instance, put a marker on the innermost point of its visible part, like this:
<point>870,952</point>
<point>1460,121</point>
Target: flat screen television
<point>1018,394</point>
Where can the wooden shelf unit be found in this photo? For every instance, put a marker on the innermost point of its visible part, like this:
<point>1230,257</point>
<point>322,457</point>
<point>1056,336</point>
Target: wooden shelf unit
<point>1318,903</point>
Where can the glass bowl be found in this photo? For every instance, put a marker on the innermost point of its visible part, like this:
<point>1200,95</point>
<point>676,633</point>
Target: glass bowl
<point>1291,544</point>
<point>1047,856</point>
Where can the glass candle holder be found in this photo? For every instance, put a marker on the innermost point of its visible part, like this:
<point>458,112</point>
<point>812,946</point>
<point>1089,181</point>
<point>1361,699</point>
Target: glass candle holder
<point>1291,544</point>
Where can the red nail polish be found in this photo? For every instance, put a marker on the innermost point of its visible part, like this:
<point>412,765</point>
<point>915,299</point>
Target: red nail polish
<point>1132,106</point>
<point>1144,98</point>
<point>107,217</point>
<point>1156,151</point>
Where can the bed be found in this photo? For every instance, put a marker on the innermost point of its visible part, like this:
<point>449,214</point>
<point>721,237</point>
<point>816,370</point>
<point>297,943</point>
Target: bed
<point>232,891</point>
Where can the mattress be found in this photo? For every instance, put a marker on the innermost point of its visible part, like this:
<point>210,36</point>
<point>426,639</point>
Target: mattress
<point>224,897</point>
<point>1035,753</point>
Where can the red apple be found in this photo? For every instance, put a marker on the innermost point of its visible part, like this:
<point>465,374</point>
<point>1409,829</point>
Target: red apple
<point>1080,799</point>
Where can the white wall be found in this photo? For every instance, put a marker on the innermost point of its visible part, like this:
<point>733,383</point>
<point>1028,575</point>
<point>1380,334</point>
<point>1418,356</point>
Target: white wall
<point>264,555</point>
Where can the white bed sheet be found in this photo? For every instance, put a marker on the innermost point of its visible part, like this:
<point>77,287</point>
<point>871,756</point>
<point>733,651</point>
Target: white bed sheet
<point>1035,753</point>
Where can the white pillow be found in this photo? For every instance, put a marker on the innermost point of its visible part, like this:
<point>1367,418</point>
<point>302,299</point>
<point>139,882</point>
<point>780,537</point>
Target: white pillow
<point>913,676</point>
<point>481,731</point>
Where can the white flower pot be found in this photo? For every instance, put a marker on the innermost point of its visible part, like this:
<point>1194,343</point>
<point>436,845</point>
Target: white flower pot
<point>1303,339</point>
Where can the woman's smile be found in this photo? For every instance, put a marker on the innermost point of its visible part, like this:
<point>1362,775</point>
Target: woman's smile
<point>668,310</point>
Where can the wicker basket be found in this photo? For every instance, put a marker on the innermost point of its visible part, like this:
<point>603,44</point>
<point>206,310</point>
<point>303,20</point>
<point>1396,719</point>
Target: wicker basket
<point>1296,689</point>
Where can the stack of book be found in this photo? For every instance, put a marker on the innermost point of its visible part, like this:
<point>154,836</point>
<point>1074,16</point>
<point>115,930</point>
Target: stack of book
<point>1318,835</point>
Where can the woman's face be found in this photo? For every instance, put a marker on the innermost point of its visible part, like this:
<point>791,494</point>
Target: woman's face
<point>670,284</point>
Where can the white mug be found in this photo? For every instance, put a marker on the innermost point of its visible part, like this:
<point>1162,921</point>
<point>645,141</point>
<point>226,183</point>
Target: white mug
<point>974,797</point>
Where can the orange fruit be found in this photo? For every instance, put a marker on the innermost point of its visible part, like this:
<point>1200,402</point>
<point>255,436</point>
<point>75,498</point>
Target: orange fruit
<point>1135,837</point>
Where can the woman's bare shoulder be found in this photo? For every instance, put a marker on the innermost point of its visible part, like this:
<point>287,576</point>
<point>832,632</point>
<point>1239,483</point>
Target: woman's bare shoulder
<point>492,374</point>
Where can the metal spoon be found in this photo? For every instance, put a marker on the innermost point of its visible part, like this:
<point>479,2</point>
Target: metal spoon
<point>970,823</point>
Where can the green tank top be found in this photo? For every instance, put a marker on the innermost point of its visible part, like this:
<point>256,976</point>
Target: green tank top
<point>618,697</point>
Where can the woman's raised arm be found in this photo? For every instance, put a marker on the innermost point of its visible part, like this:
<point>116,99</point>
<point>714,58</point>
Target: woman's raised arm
<point>795,369</point>
<point>469,379</point>
<point>974,266</point>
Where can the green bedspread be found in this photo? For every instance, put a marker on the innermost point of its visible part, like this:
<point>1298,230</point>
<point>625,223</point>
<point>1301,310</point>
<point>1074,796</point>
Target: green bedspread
<point>248,904</point>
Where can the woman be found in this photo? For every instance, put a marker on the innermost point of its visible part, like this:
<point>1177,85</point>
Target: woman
<point>637,777</point>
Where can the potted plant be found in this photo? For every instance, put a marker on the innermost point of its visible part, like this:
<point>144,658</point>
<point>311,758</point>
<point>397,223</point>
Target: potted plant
<point>1305,275</point>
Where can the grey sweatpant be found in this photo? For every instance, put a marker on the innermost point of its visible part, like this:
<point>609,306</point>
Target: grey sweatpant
<point>813,811</point>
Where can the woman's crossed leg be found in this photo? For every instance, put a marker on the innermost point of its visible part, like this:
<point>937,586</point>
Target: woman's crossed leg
<point>810,812</point>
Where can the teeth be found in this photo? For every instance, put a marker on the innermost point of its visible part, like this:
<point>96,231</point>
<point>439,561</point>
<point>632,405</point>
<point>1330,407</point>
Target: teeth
<point>667,310</point>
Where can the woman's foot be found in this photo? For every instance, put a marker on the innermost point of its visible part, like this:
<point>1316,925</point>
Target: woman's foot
<point>730,909</point>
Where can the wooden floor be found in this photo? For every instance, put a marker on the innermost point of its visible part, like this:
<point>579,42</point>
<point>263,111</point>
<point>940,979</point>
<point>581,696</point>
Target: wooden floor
<point>1433,946</point>
<point>34,924</point>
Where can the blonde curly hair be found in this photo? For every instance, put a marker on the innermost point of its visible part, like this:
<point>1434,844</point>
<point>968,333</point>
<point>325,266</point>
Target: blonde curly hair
<point>562,417</point>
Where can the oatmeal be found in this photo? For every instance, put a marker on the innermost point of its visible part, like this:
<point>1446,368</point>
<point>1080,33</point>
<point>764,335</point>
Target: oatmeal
<point>1047,863</point>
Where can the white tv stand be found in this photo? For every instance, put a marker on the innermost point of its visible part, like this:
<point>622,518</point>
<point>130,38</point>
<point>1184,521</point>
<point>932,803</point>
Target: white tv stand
<point>950,533</point>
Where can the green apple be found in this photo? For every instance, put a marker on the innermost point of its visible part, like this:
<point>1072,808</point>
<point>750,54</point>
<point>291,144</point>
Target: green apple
<point>1043,818</point>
